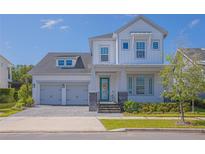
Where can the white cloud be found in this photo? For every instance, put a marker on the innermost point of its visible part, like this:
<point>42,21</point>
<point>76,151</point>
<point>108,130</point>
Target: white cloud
<point>64,28</point>
<point>50,23</point>
<point>194,22</point>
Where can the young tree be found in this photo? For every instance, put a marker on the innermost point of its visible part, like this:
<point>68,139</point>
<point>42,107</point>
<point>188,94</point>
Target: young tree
<point>175,83</point>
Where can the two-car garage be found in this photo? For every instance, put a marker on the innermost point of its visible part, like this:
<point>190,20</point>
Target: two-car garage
<point>64,93</point>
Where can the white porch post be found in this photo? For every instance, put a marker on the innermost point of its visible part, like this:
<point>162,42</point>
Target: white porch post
<point>92,87</point>
<point>123,81</point>
<point>64,94</point>
<point>37,93</point>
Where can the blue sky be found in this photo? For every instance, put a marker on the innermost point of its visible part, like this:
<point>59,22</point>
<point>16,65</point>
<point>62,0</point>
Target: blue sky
<point>25,39</point>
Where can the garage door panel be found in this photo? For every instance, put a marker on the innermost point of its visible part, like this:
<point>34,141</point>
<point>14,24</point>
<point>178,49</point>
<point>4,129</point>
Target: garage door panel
<point>77,94</point>
<point>51,94</point>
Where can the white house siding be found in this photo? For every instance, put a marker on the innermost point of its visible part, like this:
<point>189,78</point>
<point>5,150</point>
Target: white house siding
<point>151,56</point>
<point>4,65</point>
<point>158,89</point>
<point>64,80</point>
<point>97,44</point>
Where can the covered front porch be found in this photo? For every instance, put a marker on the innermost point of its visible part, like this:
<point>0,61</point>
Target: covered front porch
<point>110,84</point>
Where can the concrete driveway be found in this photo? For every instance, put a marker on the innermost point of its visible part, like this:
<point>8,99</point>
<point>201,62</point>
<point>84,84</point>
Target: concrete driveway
<point>54,119</point>
<point>62,111</point>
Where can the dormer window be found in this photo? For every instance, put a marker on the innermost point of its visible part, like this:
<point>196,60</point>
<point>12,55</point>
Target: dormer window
<point>69,62</point>
<point>65,62</point>
<point>61,62</point>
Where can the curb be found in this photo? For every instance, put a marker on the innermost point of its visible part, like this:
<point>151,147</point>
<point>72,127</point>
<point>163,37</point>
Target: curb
<point>189,130</point>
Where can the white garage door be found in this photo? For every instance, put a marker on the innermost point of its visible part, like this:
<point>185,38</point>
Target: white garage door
<point>50,94</point>
<point>77,94</point>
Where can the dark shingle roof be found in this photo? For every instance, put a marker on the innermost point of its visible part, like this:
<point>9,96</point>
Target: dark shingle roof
<point>48,64</point>
<point>195,54</point>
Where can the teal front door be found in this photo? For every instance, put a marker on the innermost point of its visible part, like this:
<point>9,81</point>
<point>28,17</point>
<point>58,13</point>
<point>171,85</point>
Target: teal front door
<point>104,89</point>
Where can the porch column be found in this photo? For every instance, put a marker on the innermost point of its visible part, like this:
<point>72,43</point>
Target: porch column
<point>64,94</point>
<point>92,92</point>
<point>122,92</point>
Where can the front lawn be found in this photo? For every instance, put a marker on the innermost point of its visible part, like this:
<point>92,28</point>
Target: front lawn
<point>110,124</point>
<point>7,109</point>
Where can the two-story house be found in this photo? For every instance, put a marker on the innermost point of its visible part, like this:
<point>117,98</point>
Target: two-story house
<point>5,72</point>
<point>121,65</point>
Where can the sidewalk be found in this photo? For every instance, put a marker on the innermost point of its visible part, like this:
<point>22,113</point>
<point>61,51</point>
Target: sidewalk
<point>50,124</point>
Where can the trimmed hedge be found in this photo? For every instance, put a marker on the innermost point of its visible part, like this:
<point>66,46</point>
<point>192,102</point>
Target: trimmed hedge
<point>6,95</point>
<point>130,106</point>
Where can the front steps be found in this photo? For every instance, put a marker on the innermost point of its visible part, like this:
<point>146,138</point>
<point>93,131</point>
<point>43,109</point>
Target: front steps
<point>109,108</point>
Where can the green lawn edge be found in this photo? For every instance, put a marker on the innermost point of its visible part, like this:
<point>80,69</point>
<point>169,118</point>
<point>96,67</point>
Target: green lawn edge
<point>111,124</point>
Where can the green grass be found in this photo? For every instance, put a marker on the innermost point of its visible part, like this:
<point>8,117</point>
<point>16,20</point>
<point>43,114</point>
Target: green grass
<point>135,123</point>
<point>189,114</point>
<point>7,109</point>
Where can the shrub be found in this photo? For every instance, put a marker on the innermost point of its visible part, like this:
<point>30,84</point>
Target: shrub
<point>130,106</point>
<point>24,92</point>
<point>29,102</point>
<point>200,103</point>
<point>19,104</point>
<point>6,95</point>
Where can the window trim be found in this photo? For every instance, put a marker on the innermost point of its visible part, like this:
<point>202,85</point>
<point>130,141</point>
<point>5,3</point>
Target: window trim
<point>155,40</point>
<point>134,84</point>
<point>108,54</point>
<point>145,53</point>
<point>125,41</point>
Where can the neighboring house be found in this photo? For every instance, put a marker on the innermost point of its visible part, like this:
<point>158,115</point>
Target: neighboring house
<point>121,65</point>
<point>5,72</point>
<point>194,55</point>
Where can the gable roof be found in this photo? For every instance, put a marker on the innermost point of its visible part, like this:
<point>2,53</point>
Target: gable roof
<point>193,53</point>
<point>48,64</point>
<point>141,17</point>
<point>6,60</point>
<point>108,35</point>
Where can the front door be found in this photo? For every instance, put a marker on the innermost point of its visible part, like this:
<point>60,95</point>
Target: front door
<point>104,89</point>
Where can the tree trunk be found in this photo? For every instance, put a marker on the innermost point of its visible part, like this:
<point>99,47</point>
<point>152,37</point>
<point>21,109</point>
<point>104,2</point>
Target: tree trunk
<point>193,105</point>
<point>182,112</point>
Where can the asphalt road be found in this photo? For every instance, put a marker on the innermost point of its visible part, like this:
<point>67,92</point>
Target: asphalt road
<point>104,136</point>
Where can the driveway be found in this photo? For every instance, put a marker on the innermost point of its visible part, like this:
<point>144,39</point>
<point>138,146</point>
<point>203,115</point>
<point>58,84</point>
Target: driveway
<point>54,119</point>
<point>62,111</point>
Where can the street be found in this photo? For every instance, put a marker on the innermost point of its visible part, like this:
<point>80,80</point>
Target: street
<point>140,135</point>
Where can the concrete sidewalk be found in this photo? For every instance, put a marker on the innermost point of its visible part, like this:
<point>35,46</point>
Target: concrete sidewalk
<point>50,124</point>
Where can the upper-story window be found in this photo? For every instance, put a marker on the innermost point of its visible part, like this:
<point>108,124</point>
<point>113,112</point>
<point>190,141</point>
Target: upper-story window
<point>9,73</point>
<point>69,62</point>
<point>155,44</point>
<point>65,62</point>
<point>61,62</point>
<point>125,45</point>
<point>140,49</point>
<point>104,54</point>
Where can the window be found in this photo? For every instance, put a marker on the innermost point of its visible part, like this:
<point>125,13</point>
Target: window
<point>125,45</point>
<point>155,45</point>
<point>61,62</point>
<point>140,49</point>
<point>69,62</point>
<point>150,85</point>
<point>130,85</point>
<point>9,73</point>
<point>140,85</point>
<point>104,54</point>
